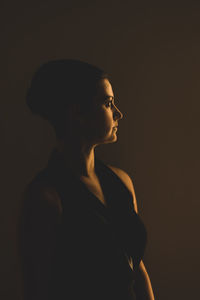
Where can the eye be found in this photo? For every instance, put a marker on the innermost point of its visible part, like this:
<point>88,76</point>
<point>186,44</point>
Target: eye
<point>109,103</point>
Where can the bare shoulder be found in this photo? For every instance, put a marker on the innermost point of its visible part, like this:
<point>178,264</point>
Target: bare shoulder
<point>42,198</point>
<point>126,179</point>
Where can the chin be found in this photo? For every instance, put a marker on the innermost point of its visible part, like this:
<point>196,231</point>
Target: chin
<point>106,139</point>
<point>111,139</point>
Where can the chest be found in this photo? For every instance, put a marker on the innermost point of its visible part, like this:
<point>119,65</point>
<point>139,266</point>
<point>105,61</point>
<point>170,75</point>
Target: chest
<point>94,186</point>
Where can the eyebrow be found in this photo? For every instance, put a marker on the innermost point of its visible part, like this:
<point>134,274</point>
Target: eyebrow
<point>107,96</point>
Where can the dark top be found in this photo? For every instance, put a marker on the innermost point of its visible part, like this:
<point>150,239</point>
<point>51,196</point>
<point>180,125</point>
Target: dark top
<point>94,241</point>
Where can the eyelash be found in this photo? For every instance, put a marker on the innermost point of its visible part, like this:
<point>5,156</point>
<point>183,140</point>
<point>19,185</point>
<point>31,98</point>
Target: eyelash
<point>109,102</point>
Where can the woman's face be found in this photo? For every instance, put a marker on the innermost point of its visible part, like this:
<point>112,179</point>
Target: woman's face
<point>101,120</point>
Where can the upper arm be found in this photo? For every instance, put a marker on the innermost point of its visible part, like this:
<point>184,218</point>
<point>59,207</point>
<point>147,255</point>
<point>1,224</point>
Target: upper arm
<point>128,182</point>
<point>42,213</point>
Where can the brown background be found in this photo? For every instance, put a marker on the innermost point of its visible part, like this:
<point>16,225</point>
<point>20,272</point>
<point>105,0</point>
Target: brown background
<point>152,51</point>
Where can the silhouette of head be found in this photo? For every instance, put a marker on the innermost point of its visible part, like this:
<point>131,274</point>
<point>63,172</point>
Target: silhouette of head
<point>77,99</point>
<point>59,84</point>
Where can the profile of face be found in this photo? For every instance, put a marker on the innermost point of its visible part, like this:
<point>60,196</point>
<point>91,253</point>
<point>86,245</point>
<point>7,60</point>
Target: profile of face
<point>99,125</point>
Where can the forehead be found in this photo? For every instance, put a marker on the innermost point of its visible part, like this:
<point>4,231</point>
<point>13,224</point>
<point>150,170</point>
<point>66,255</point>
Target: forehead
<point>104,88</point>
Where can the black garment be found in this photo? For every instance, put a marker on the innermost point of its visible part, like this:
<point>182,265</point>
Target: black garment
<point>90,260</point>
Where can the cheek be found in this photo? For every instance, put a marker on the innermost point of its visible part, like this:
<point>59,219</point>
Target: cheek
<point>100,123</point>
<point>103,121</point>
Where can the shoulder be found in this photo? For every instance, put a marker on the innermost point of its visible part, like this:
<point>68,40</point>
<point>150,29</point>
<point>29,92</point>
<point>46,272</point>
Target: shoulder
<point>38,237</point>
<point>40,199</point>
<point>127,180</point>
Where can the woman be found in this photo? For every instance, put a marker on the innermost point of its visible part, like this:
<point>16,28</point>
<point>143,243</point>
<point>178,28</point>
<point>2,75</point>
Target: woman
<point>81,235</point>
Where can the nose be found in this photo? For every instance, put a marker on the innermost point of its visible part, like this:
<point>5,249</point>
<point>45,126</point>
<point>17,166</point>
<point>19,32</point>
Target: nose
<point>118,115</point>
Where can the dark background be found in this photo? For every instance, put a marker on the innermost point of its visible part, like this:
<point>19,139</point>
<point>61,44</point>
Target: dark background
<point>152,51</point>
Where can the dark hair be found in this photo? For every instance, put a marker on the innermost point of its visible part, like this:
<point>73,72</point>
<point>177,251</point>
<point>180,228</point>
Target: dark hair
<point>59,83</point>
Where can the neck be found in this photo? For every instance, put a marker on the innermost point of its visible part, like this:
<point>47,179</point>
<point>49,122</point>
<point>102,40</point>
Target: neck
<point>78,157</point>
